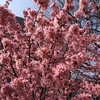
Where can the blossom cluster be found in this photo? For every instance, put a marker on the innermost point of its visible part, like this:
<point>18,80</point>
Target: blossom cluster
<point>51,59</point>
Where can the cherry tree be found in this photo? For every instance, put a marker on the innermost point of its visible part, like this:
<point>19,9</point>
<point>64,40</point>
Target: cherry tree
<point>52,58</point>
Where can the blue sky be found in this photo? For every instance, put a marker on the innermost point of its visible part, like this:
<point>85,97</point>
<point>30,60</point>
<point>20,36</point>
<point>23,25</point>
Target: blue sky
<point>17,6</point>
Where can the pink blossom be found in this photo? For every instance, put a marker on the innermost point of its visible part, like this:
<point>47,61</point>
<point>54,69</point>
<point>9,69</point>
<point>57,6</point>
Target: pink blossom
<point>84,97</point>
<point>33,13</point>
<point>83,2</point>
<point>17,27</point>
<point>98,38</point>
<point>6,16</point>
<point>78,14</point>
<point>40,20</point>
<point>94,7</point>
<point>5,59</point>
<point>74,29</point>
<point>7,90</point>
<point>55,9</point>
<point>68,7</point>
<point>25,13</point>
<point>42,3</point>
